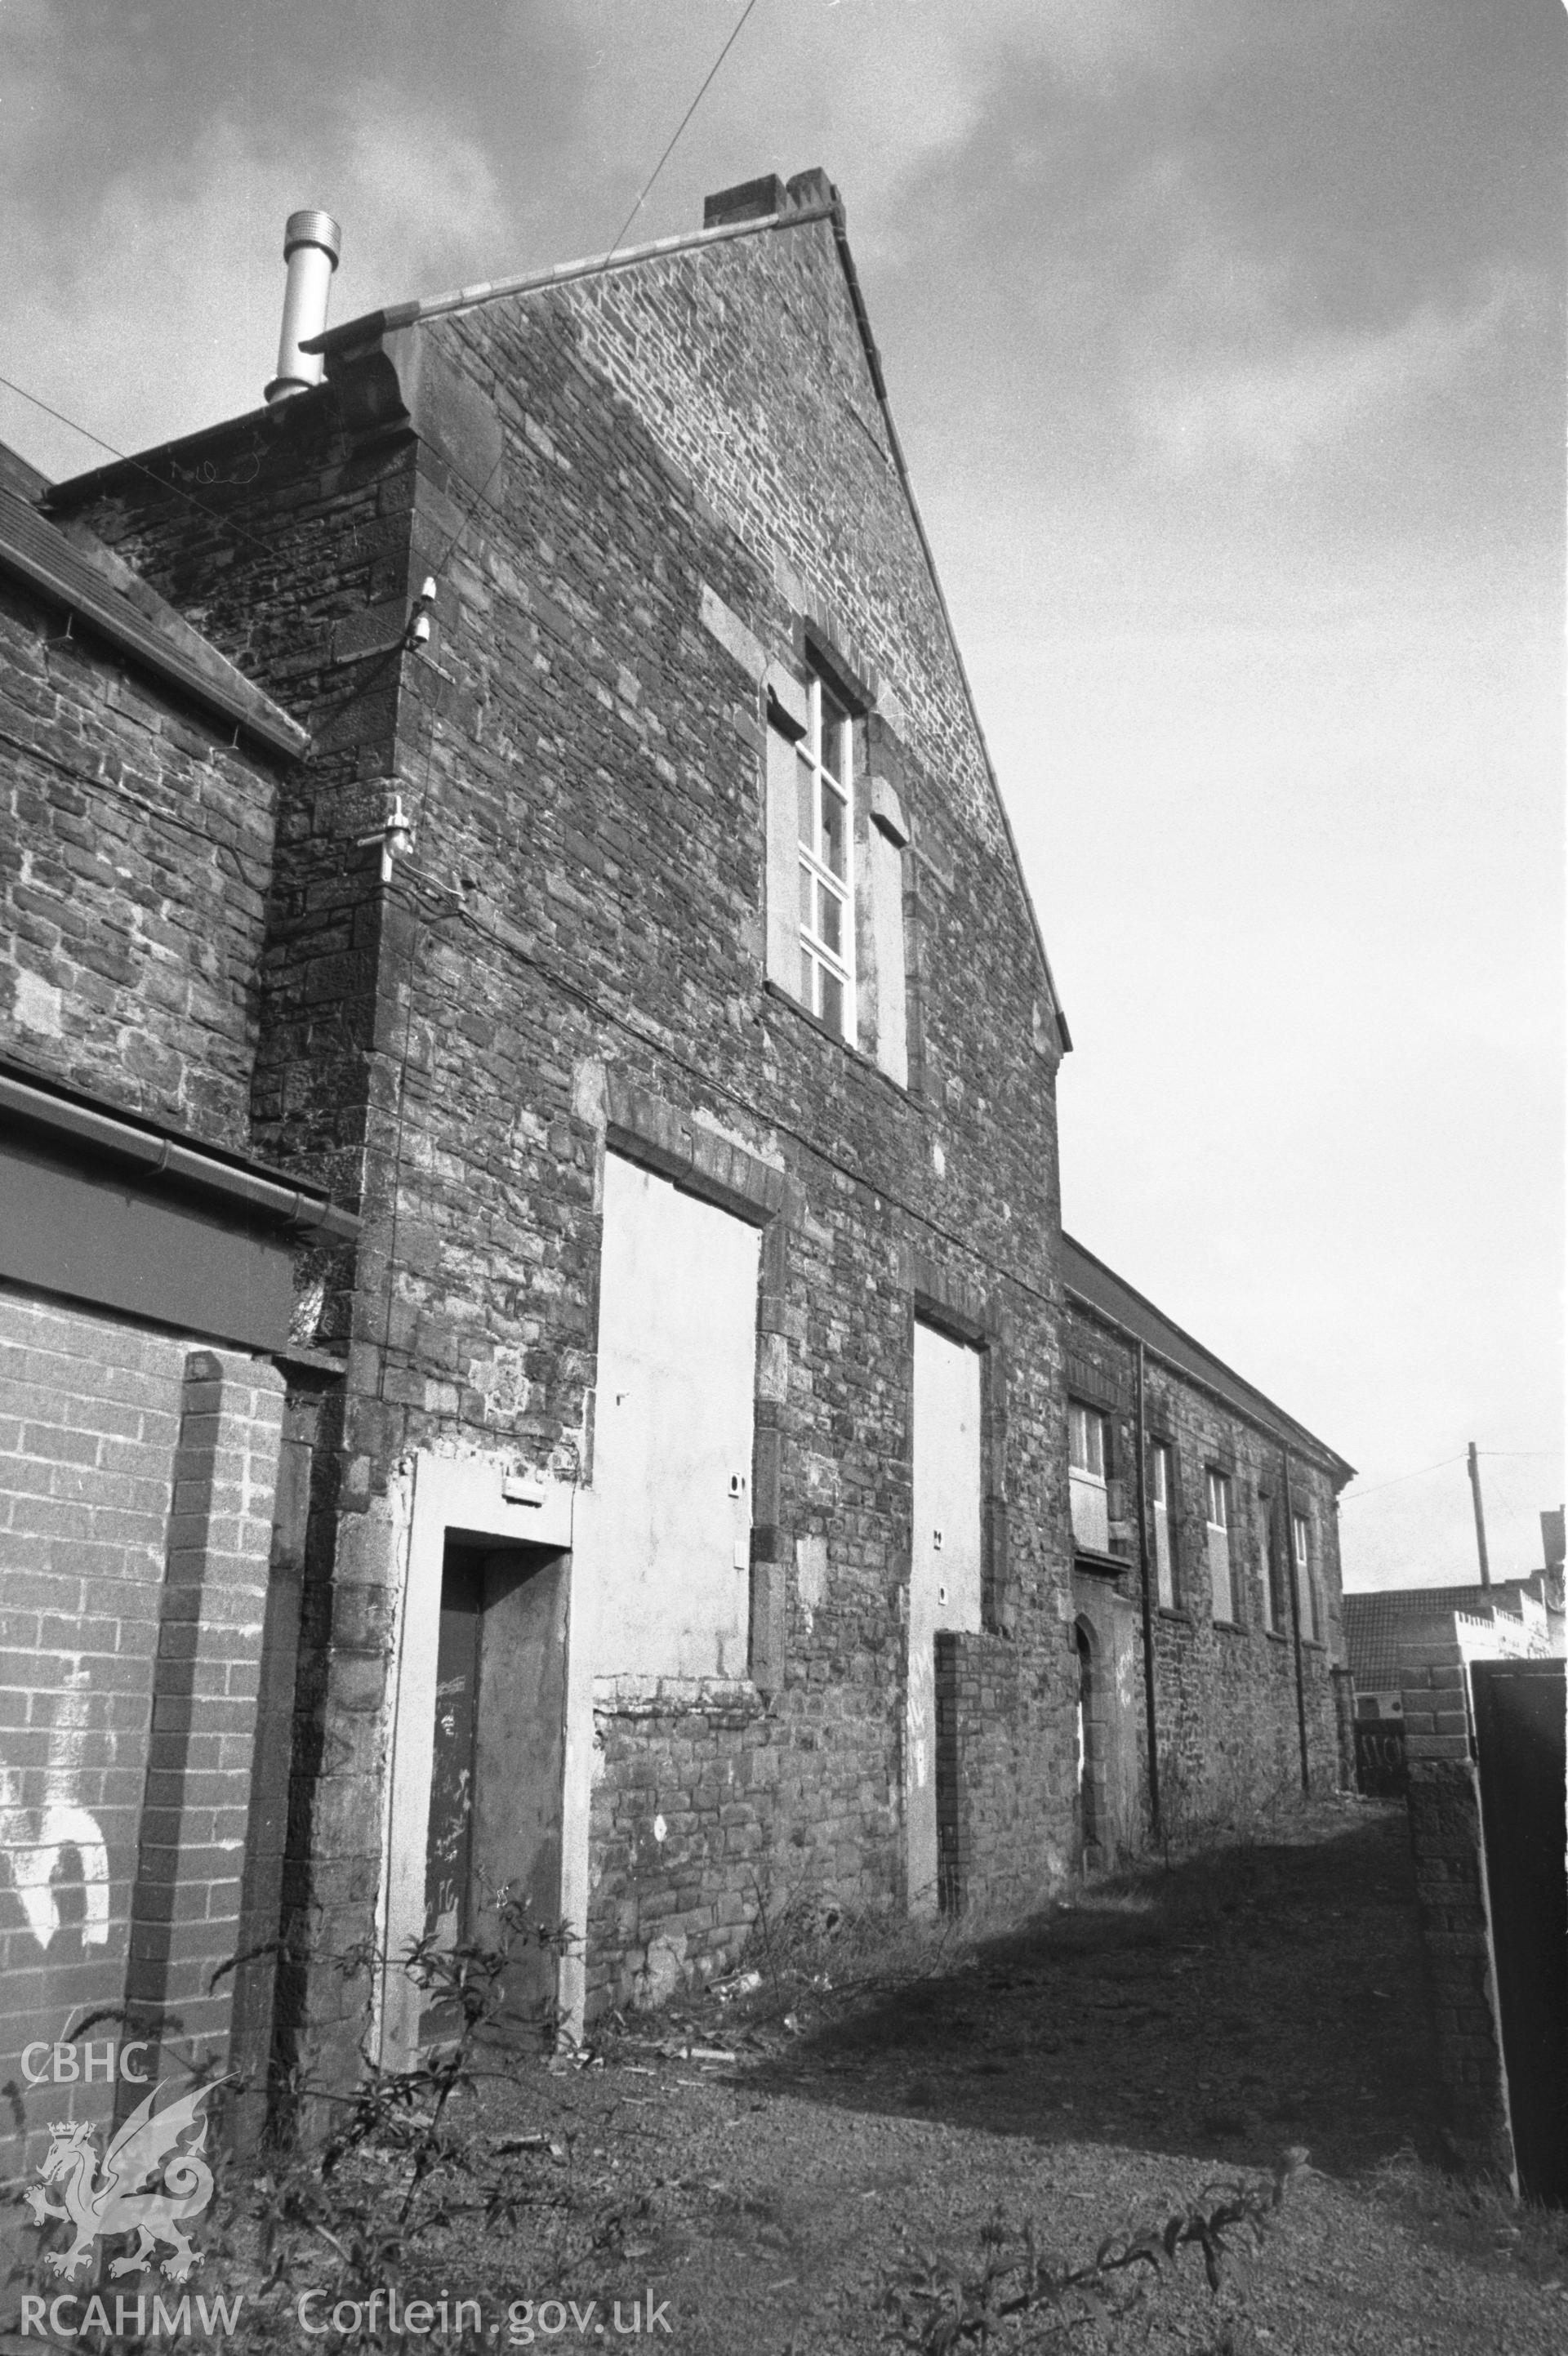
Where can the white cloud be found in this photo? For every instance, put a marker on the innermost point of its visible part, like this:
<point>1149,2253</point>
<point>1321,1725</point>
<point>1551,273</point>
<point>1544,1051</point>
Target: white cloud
<point>1283,408</point>
<point>159,312</point>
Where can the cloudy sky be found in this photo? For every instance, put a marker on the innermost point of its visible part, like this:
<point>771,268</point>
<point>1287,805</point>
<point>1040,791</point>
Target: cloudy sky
<point>1226,338</point>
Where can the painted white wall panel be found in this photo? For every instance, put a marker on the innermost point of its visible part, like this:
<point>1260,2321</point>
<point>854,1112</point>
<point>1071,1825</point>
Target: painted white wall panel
<point>944,1571</point>
<point>667,1544</point>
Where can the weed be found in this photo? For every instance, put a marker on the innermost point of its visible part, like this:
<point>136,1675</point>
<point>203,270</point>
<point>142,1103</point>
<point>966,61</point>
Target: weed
<point>340,2214</point>
<point>1477,2219</point>
<point>932,2306</point>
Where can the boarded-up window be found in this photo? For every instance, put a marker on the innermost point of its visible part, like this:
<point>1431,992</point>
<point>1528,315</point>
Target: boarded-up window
<point>1307,1597</point>
<point>1086,1477</point>
<point>786,726</point>
<point>882,985</point>
<point>1160,1503</point>
<point>670,1519</point>
<point>1218,1490</point>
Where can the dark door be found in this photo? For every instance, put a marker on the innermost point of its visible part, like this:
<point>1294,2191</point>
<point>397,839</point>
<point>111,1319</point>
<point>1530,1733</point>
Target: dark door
<point>519,1762</point>
<point>493,1859</point>
<point>449,1855</point>
<point>1520,1748</point>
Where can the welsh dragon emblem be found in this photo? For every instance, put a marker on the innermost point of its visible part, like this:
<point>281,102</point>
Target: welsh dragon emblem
<point>116,2199</point>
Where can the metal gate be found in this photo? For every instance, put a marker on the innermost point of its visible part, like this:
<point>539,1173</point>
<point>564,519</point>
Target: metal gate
<point>1520,1757</point>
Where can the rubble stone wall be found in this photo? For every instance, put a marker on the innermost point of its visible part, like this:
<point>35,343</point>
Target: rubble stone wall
<point>1226,1716</point>
<point>135,855</point>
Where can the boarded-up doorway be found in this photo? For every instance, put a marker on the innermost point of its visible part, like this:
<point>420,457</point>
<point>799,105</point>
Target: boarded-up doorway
<point>493,1844</point>
<point>944,1583</point>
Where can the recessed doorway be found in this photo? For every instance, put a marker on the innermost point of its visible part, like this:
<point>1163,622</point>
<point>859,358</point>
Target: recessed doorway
<point>493,1838</point>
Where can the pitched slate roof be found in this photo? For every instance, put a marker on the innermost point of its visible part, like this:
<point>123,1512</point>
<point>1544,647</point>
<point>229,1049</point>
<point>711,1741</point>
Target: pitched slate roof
<point>1095,1287</point>
<point>99,589</point>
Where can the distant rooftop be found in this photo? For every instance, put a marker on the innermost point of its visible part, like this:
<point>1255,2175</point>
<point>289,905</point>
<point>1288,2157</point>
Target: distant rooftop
<point>1381,1622</point>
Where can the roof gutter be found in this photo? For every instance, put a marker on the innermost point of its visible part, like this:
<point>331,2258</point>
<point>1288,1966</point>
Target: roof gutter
<point>163,1156</point>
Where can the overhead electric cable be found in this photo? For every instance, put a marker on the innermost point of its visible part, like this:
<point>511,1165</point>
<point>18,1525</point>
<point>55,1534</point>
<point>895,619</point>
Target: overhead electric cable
<point>680,127</point>
<point>125,459</point>
<point>1394,1483</point>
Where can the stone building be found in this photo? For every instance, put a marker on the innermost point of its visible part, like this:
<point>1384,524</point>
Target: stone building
<point>595,895</point>
<point>1220,1634</point>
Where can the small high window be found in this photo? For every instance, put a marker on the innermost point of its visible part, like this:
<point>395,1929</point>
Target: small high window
<point>1160,1504</point>
<point>1086,1451</point>
<point>1216,1489</point>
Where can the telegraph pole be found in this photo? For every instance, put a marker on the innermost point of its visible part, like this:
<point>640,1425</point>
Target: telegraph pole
<point>1480,1517</point>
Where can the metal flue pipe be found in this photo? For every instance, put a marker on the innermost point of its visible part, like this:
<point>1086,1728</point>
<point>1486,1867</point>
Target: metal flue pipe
<point>312,242</point>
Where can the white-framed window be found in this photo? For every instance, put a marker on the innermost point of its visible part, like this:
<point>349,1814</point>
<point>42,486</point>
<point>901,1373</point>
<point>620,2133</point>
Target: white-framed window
<point>1160,1484</point>
<point>836,838</point>
<point>1216,1491</point>
<point>1086,1454</point>
<point>1301,1555</point>
<point>824,787</point>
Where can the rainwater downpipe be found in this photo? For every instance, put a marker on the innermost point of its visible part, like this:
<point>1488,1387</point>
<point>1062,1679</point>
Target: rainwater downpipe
<point>1295,1621</point>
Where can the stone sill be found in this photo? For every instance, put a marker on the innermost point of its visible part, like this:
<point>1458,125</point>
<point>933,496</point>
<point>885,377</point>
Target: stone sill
<point>1173,1611</point>
<point>781,997</point>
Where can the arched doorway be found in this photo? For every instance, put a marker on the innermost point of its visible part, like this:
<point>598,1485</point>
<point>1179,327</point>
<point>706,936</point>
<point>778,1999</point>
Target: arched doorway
<point>1091,1748</point>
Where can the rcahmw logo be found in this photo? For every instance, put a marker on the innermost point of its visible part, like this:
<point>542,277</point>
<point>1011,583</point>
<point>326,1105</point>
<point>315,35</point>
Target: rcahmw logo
<point>151,2181</point>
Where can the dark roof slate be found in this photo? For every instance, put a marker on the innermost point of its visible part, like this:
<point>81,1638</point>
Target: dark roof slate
<point>93,583</point>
